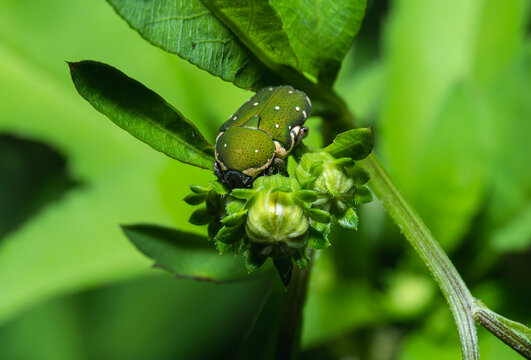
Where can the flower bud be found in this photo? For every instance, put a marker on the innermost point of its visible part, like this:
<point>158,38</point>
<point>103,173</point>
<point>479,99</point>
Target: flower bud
<point>338,184</point>
<point>276,221</point>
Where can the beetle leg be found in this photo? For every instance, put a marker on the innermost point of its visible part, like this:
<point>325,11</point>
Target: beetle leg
<point>217,171</point>
<point>280,166</point>
<point>303,132</point>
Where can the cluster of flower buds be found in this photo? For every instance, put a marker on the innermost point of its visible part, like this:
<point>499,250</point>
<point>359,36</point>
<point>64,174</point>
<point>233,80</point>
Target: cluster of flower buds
<point>338,183</point>
<point>283,217</point>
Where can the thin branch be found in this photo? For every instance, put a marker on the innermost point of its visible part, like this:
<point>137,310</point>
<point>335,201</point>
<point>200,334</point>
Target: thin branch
<point>441,268</point>
<point>514,334</point>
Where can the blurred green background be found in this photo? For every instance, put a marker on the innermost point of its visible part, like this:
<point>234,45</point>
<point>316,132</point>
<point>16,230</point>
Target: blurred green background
<point>446,87</point>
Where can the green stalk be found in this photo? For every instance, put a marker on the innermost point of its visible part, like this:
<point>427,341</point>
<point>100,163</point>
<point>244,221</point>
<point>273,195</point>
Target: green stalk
<point>441,268</point>
<point>514,334</point>
<point>289,335</point>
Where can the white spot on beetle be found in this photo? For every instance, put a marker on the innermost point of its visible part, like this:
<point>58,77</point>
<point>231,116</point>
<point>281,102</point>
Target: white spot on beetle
<point>234,118</point>
<point>256,151</point>
<point>304,113</point>
<point>290,92</point>
<point>276,126</point>
<point>270,89</point>
<point>289,127</point>
<point>308,100</point>
<point>297,108</point>
<point>225,145</point>
<point>277,107</point>
<point>255,104</point>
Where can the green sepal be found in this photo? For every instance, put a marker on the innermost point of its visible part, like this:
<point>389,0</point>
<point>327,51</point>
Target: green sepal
<point>307,196</point>
<point>318,215</point>
<point>229,235</point>
<point>339,207</point>
<point>359,175</point>
<point>235,248</point>
<point>213,228</point>
<point>235,219</point>
<point>282,189</point>
<point>254,259</point>
<point>197,189</point>
<point>284,267</point>
<point>243,194</point>
<point>317,240</point>
<point>363,195</point>
<point>302,259</point>
<point>201,216</point>
<point>343,162</point>
<point>308,183</point>
<point>317,169</point>
<point>235,206</point>
<point>223,248</point>
<point>219,187</point>
<point>323,228</point>
<point>349,219</point>
<point>215,203</point>
<point>195,199</point>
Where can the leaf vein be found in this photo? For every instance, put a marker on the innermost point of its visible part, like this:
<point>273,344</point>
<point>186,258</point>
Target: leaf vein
<point>178,18</point>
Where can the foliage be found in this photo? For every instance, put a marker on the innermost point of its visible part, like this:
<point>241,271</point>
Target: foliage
<point>446,103</point>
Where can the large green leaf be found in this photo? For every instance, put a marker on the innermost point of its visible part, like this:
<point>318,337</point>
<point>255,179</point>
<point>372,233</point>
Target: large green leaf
<point>185,254</point>
<point>140,111</point>
<point>258,26</point>
<point>189,29</point>
<point>75,243</point>
<point>321,32</point>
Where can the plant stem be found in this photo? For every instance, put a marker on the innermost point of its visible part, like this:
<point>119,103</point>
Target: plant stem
<point>510,332</point>
<point>288,342</point>
<point>441,268</point>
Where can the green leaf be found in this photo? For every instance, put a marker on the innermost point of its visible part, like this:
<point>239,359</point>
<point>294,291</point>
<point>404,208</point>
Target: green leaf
<point>349,219</point>
<point>230,235</point>
<point>318,215</point>
<point>258,26</point>
<point>195,199</point>
<point>201,216</point>
<point>185,254</point>
<point>321,32</point>
<point>141,112</point>
<point>356,144</point>
<point>189,29</point>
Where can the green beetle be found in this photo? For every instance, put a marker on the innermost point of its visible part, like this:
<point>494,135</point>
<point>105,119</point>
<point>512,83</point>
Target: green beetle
<point>260,135</point>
